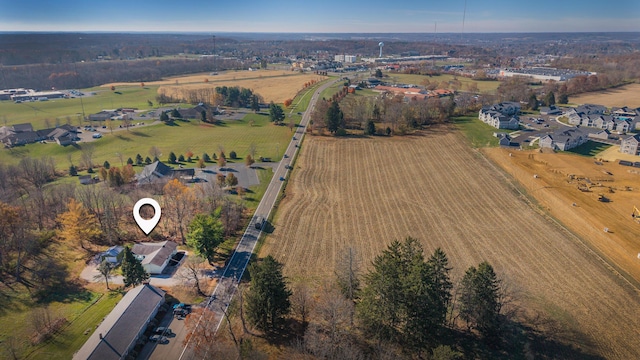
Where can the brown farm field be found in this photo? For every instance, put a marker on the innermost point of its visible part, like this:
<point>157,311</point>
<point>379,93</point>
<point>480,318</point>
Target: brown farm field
<point>365,192</point>
<point>272,85</point>
<point>628,95</point>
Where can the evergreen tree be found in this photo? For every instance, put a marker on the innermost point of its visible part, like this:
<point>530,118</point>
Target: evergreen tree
<point>334,117</point>
<point>480,300</point>
<point>147,160</point>
<point>203,116</point>
<point>533,102</point>
<point>164,117</point>
<point>106,165</point>
<point>267,301</point>
<point>276,114</point>
<point>550,99</point>
<point>73,171</point>
<point>563,98</point>
<point>139,159</point>
<point>175,114</point>
<point>172,158</point>
<point>129,161</point>
<point>181,158</point>
<point>233,155</point>
<point>206,233</point>
<point>403,299</point>
<point>255,103</point>
<point>371,128</point>
<point>132,270</point>
<point>205,157</point>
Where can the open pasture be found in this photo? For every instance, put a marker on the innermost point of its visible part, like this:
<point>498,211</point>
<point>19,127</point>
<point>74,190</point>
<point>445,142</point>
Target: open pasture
<point>365,192</point>
<point>628,95</point>
<point>234,135</point>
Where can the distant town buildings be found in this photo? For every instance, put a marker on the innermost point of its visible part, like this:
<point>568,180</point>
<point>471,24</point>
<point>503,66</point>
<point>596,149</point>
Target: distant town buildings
<point>19,95</point>
<point>544,73</point>
<point>620,120</point>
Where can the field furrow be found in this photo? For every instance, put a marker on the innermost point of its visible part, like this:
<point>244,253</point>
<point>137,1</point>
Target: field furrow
<point>365,193</point>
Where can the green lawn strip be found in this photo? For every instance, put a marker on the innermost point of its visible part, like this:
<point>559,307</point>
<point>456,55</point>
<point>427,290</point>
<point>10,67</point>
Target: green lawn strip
<point>331,90</point>
<point>483,86</point>
<point>252,199</point>
<point>478,133</point>
<point>233,135</point>
<point>37,111</point>
<point>590,149</point>
<point>72,337</point>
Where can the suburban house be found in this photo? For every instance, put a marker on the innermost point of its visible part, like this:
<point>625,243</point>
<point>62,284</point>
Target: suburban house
<point>631,145</point>
<point>118,333</point>
<point>501,116</point>
<point>550,110</point>
<point>593,116</point>
<point>112,254</point>
<point>155,256</point>
<point>158,171</point>
<point>564,140</point>
<point>504,139</point>
<point>103,115</point>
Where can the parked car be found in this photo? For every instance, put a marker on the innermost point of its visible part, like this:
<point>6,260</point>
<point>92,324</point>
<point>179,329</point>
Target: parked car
<point>159,339</point>
<point>163,330</point>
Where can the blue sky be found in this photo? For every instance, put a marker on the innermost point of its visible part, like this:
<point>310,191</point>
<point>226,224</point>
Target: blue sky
<point>320,16</point>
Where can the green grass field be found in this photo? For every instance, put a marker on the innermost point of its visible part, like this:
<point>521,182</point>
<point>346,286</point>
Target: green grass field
<point>82,315</point>
<point>233,135</point>
<point>37,112</point>
<point>483,86</point>
<point>478,133</point>
<point>590,148</point>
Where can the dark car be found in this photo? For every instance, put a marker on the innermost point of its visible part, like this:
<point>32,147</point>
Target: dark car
<point>163,330</point>
<point>159,339</point>
<point>281,178</point>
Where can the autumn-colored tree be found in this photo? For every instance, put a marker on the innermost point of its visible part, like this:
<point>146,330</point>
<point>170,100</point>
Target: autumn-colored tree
<point>249,160</point>
<point>222,161</point>
<point>189,154</point>
<point>232,180</point>
<point>201,164</point>
<point>178,202</point>
<point>113,88</point>
<point>128,174</point>
<point>220,179</point>
<point>77,225</point>
<point>288,102</point>
<point>141,84</point>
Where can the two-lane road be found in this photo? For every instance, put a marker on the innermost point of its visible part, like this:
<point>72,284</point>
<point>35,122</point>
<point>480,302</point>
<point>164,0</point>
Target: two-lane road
<point>233,272</point>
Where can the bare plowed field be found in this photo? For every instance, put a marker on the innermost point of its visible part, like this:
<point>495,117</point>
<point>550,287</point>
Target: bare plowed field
<point>628,95</point>
<point>364,193</point>
<point>272,85</point>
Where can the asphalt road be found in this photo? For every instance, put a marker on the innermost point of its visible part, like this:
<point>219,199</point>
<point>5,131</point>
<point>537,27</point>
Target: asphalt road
<point>228,282</point>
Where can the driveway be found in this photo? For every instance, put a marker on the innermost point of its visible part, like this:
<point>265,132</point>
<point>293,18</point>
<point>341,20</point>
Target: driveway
<point>167,279</point>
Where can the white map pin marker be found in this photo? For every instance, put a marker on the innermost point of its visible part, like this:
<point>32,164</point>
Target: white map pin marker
<point>146,225</point>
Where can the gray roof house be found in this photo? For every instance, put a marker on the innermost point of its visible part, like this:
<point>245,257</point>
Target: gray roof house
<point>631,145</point>
<point>116,336</point>
<point>154,172</point>
<point>564,140</point>
<point>155,256</point>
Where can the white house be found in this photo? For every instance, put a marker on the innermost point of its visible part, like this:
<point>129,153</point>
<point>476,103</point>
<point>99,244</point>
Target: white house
<point>155,256</point>
<point>631,145</point>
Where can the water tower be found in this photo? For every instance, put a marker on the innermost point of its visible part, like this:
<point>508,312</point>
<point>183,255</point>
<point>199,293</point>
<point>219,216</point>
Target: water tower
<point>381,44</point>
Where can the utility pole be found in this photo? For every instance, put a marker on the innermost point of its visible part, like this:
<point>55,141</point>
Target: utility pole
<point>215,69</point>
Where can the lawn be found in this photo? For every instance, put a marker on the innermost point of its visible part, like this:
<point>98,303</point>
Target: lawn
<point>233,135</point>
<point>590,148</point>
<point>37,112</point>
<point>478,133</point>
<point>82,313</point>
